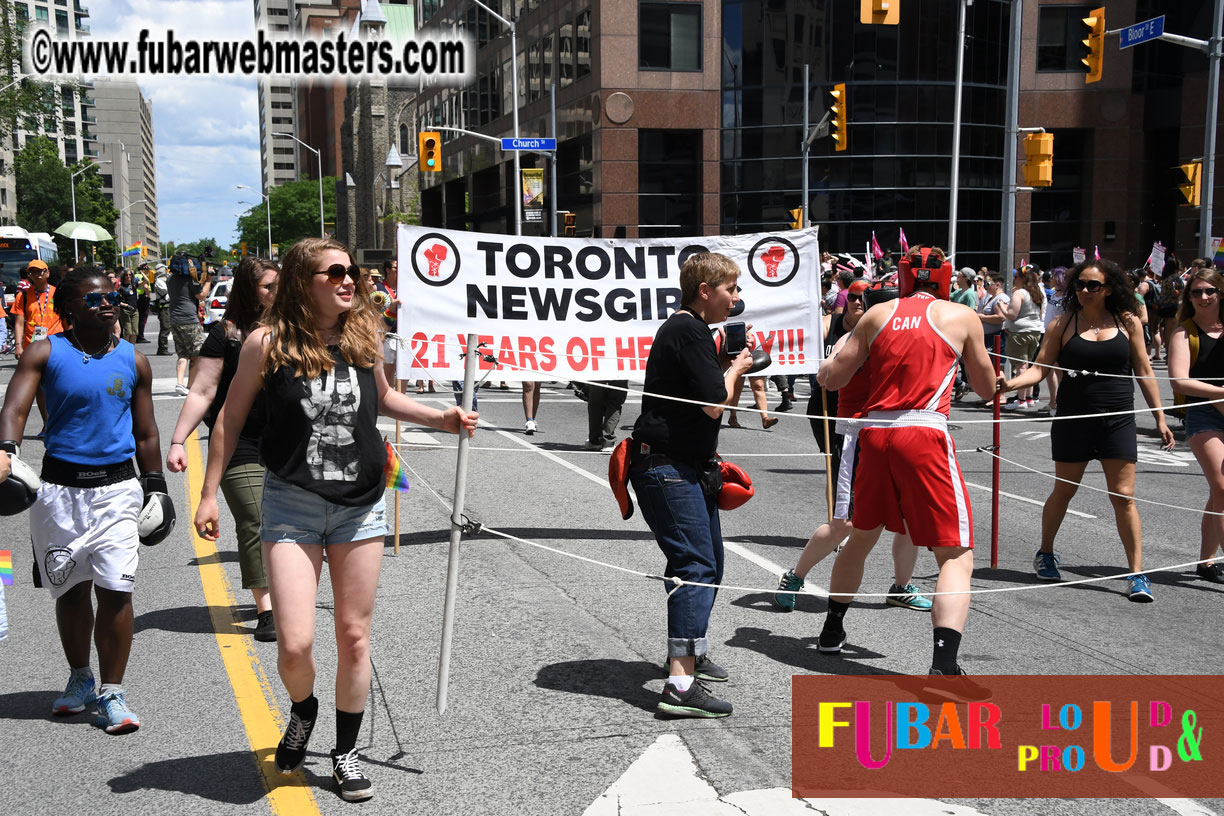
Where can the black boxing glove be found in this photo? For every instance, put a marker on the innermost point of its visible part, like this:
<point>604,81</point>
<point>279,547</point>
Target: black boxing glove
<point>157,517</point>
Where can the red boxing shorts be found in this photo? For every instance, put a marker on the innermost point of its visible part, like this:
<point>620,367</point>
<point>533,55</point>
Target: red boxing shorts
<point>908,479</point>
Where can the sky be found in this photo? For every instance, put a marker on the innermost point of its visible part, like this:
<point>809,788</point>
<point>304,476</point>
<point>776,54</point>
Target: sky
<point>205,129</point>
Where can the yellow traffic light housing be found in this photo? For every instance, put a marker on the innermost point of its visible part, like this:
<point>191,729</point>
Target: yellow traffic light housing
<point>837,124</point>
<point>796,218</point>
<point>1095,44</point>
<point>880,12</point>
<point>429,151</point>
<point>1038,159</point>
<point>1193,188</point>
<point>570,223</point>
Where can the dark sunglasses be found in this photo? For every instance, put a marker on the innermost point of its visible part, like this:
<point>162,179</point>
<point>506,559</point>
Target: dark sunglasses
<point>1204,292</point>
<point>855,298</point>
<point>94,299</point>
<point>1089,286</point>
<point>337,272</point>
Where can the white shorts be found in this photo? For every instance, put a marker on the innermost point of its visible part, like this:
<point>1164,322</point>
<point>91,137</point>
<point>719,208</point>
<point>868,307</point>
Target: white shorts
<point>87,534</point>
<point>843,492</point>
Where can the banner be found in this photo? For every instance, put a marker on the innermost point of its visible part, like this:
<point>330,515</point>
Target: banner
<point>1157,259</point>
<point>588,308</point>
<point>533,193</point>
<point>1078,254</point>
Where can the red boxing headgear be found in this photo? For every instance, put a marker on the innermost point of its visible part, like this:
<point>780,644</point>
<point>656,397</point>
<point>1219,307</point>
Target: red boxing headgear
<point>930,269</point>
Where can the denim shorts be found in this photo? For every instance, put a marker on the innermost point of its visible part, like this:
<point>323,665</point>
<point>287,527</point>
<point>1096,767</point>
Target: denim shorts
<point>291,514</point>
<point>1200,419</point>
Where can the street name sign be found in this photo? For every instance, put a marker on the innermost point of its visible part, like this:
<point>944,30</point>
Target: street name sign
<point>1141,32</point>
<point>528,144</point>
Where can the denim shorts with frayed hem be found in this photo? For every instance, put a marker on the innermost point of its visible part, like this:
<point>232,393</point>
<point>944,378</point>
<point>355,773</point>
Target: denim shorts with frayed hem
<point>291,514</point>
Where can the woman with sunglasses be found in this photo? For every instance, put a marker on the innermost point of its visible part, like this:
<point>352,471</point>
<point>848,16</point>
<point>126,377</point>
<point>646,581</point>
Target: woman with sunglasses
<point>1199,374</point>
<point>253,288</point>
<point>1097,333</point>
<point>316,357</point>
<point>83,525</point>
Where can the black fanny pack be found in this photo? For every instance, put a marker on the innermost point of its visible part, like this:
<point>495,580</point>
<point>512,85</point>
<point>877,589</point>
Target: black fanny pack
<point>73,474</point>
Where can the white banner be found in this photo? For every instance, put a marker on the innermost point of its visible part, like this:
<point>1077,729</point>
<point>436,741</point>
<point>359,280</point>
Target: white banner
<point>1157,259</point>
<point>588,308</point>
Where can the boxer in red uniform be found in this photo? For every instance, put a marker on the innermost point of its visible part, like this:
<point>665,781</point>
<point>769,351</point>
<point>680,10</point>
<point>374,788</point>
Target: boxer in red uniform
<point>907,476</point>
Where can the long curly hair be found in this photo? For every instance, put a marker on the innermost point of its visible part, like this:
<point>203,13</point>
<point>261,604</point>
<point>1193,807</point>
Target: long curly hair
<point>1030,281</point>
<point>294,336</point>
<point>1186,310</point>
<point>242,308</point>
<point>1119,301</point>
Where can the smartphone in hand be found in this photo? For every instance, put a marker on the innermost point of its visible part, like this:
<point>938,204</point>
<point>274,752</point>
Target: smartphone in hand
<point>737,338</point>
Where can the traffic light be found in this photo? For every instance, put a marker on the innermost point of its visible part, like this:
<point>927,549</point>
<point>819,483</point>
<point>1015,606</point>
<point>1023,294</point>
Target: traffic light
<point>837,125</point>
<point>796,218</point>
<point>1193,188</point>
<point>1038,159</point>
<point>880,12</point>
<point>571,225</point>
<point>1095,44</point>
<point>429,151</point>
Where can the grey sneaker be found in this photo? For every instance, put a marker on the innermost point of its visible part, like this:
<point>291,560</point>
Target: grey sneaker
<point>79,694</point>
<point>696,702</point>
<point>114,716</point>
<point>789,584</point>
<point>706,669</point>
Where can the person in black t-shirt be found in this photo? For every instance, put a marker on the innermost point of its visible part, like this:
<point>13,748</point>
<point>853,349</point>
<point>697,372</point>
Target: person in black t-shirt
<point>254,287</point>
<point>674,472</point>
<point>317,359</point>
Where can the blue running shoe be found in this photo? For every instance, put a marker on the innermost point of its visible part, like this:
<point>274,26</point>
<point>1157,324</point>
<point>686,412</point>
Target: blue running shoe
<point>79,694</point>
<point>1046,565</point>
<point>114,716</point>
<point>908,597</point>
<point>789,583</point>
<point>1140,589</point>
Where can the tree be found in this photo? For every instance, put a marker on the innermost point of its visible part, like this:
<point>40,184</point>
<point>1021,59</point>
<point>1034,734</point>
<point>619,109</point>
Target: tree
<point>27,99</point>
<point>295,215</point>
<point>44,195</point>
<point>95,207</point>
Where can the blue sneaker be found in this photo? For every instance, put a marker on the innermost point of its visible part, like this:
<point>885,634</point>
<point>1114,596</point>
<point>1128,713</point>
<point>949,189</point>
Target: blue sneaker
<point>1046,565</point>
<point>1140,589</point>
<point>113,714</point>
<point>77,695</point>
<point>790,583</point>
<point>908,597</point>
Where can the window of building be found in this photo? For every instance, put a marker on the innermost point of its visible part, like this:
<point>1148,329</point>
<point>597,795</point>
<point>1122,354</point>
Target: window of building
<point>23,13</point>
<point>565,55</point>
<point>669,36</point>
<point>282,120</point>
<point>108,181</point>
<point>1060,30</point>
<point>282,166</point>
<point>669,182</point>
<point>405,141</point>
<point>583,43</point>
<point>61,20</point>
<point>42,14</point>
<point>282,151</point>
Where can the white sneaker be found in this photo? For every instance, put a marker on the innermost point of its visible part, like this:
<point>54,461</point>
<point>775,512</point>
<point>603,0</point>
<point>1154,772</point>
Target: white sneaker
<point>1014,405</point>
<point>531,427</point>
<point>592,446</point>
<point>607,450</point>
<point>180,389</point>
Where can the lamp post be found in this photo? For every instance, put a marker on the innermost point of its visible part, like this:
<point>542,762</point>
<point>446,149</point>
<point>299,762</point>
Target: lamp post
<point>121,213</point>
<point>267,211</point>
<point>518,178</point>
<point>319,159</point>
<point>76,255</point>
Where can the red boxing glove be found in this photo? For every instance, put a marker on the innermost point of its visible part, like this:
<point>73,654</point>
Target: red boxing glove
<point>736,486</point>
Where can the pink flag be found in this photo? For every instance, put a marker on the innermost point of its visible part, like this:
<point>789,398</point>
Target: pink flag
<point>875,247</point>
<point>904,243</point>
<point>1096,253</point>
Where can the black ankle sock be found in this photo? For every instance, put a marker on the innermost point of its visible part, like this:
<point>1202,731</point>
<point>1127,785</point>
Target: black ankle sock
<point>307,709</point>
<point>347,727</point>
<point>947,644</point>
<point>833,620</point>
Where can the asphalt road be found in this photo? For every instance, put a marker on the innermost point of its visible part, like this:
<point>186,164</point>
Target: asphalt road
<point>556,662</point>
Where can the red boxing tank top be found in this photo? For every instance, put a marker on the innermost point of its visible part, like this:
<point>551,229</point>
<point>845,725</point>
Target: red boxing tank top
<point>910,364</point>
<point>853,395</point>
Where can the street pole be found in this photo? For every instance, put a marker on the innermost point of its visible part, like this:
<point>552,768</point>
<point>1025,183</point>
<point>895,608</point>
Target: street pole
<point>807,140</point>
<point>268,212</point>
<point>322,232</point>
<point>956,124</point>
<point>1207,191</point>
<point>76,253</point>
<point>518,178</point>
<point>552,161</point>
<point>1007,250</point>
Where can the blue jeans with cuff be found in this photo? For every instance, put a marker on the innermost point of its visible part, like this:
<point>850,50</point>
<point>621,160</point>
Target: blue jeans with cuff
<point>685,524</point>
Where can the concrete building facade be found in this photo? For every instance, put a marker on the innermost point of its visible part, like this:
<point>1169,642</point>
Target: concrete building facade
<point>277,101</point>
<point>124,127</point>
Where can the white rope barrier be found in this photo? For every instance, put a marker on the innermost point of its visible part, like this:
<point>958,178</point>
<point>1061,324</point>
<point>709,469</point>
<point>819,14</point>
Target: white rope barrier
<point>1085,372</point>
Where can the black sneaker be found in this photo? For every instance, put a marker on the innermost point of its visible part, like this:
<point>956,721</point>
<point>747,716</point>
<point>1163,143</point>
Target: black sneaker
<point>785,405</point>
<point>265,628</point>
<point>696,702</point>
<point>831,642</point>
<point>352,783</point>
<point>291,751</point>
<point>955,687</point>
<point>706,669</point>
<point>1210,572</point>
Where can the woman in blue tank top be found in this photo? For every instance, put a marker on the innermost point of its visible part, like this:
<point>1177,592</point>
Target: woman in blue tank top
<point>1099,334</point>
<point>84,525</point>
<point>1200,380</point>
<point>317,360</point>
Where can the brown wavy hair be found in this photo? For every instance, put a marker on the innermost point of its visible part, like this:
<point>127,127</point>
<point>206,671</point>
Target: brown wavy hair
<point>294,339</point>
<point>1030,281</point>
<point>1186,312</point>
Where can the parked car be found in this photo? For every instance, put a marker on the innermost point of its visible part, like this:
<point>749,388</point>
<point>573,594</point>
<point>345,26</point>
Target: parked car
<point>214,306</point>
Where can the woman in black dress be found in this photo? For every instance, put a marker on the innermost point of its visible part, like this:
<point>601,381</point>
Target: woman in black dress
<point>1098,333</point>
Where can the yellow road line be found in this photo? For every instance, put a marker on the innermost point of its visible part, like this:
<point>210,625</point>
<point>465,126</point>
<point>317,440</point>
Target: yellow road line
<point>287,795</point>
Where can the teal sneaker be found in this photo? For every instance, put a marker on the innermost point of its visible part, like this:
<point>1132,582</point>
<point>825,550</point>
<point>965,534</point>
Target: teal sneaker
<point>908,597</point>
<point>114,716</point>
<point>79,694</point>
<point>789,584</point>
<point>1140,589</point>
